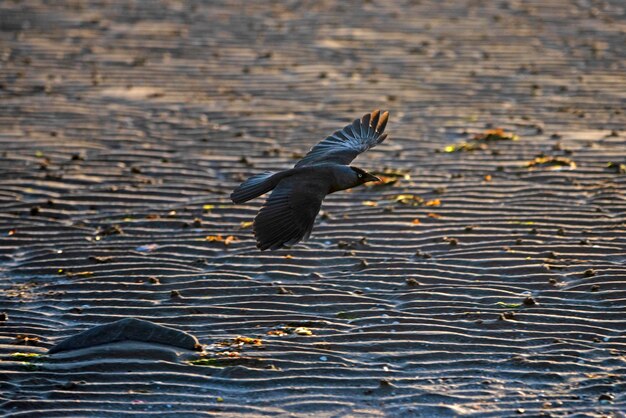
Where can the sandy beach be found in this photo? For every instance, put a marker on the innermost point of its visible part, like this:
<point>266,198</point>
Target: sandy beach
<point>484,277</point>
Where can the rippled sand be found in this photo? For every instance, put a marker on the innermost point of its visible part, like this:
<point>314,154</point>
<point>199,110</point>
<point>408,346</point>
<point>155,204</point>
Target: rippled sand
<point>486,278</point>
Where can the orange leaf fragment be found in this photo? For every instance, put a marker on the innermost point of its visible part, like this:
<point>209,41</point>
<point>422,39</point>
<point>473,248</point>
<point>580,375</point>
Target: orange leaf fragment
<point>277,332</point>
<point>434,202</point>
<point>219,238</point>
<point>434,215</point>
<point>416,221</point>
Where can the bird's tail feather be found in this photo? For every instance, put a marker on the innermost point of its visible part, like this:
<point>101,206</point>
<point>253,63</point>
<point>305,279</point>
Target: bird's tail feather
<point>255,186</point>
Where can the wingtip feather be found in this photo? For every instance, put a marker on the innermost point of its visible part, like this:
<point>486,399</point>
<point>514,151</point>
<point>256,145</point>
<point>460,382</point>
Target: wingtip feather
<point>382,123</point>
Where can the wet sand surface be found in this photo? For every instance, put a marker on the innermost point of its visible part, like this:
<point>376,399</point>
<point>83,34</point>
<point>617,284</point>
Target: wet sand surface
<point>485,278</point>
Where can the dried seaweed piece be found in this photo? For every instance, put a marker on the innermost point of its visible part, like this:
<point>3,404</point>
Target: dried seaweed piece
<point>479,141</point>
<point>552,162</point>
<point>497,134</point>
<point>618,168</point>
<point>409,199</point>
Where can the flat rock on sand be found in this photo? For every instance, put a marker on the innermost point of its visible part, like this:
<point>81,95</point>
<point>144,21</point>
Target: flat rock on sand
<point>128,329</point>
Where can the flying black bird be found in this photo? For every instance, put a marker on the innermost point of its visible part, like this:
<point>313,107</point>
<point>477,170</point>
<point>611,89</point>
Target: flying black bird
<point>288,215</point>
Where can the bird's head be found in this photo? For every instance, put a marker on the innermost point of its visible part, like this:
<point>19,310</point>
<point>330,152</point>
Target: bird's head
<point>363,176</point>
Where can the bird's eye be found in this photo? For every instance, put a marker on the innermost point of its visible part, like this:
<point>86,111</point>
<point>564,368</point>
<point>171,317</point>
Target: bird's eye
<point>360,175</point>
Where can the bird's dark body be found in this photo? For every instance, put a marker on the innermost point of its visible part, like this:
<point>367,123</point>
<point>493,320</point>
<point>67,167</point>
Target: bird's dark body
<point>289,214</point>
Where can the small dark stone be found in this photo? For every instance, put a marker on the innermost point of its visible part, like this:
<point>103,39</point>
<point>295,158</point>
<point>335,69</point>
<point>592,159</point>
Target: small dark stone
<point>4,317</point>
<point>584,242</point>
<point>197,222</point>
<point>135,170</point>
<point>175,294</point>
<point>530,301</point>
<point>384,383</point>
<point>110,230</point>
<point>76,310</point>
<point>153,280</point>
<point>506,316</point>
<point>606,397</point>
<point>589,273</point>
<point>412,282</point>
<point>35,210</point>
<point>284,291</point>
<point>595,288</point>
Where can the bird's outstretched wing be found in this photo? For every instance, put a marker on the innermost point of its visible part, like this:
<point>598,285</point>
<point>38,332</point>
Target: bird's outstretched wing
<point>288,215</point>
<point>343,146</point>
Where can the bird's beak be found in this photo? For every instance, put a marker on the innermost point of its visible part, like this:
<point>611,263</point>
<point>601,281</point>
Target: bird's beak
<point>371,177</point>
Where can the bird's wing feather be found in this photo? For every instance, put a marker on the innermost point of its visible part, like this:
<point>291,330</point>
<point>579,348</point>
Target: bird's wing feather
<point>345,145</point>
<point>288,215</point>
<point>253,187</point>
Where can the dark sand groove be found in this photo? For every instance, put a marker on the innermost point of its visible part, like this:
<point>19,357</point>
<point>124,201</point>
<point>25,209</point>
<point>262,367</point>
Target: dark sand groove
<point>124,126</point>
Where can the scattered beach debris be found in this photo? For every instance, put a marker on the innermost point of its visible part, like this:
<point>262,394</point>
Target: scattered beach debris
<point>228,352</point>
<point>219,238</point>
<point>389,177</point>
<point>72,274</point>
<point>27,339</point>
<point>552,162</point>
<point>104,231</point>
<point>128,329</point>
<point>29,361</point>
<point>497,134</point>
<point>246,224</point>
<point>619,168</point>
<point>508,305</point>
<point>282,331</point>
<point>481,140</point>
